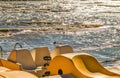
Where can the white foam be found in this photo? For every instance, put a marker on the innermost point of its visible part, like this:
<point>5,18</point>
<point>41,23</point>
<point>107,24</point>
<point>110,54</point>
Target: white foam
<point>23,32</point>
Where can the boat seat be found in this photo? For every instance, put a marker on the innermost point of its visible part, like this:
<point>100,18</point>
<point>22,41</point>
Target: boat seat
<point>12,70</point>
<point>61,50</point>
<point>89,64</point>
<point>38,54</point>
<point>24,58</point>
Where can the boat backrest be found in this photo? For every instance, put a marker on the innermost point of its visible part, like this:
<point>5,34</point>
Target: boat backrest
<point>23,57</point>
<point>61,50</point>
<point>38,54</point>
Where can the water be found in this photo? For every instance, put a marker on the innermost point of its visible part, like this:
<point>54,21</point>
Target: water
<point>102,42</point>
<point>105,12</point>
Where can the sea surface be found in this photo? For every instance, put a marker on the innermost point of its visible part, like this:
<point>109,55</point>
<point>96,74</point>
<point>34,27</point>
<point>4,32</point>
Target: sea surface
<point>102,42</point>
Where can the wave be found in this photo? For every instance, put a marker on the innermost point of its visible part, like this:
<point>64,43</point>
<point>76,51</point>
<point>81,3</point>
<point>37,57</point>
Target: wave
<point>23,32</point>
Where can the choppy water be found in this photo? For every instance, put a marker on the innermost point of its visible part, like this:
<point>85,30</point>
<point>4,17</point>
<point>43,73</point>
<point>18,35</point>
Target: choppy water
<point>103,42</point>
<point>67,12</point>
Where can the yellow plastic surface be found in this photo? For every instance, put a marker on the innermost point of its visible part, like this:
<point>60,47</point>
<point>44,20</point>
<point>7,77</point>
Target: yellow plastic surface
<point>38,54</point>
<point>11,70</point>
<point>16,74</point>
<point>88,64</point>
<point>80,66</point>
<point>9,65</point>
<point>61,50</point>
<point>66,64</point>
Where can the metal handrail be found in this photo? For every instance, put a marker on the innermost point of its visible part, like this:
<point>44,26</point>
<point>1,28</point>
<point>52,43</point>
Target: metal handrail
<point>16,45</point>
<point>1,51</point>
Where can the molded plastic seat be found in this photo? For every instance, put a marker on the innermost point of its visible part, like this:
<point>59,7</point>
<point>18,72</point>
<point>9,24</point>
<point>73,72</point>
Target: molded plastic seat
<point>38,55</point>
<point>61,50</point>
<point>12,70</point>
<point>89,65</point>
<point>24,58</point>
